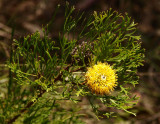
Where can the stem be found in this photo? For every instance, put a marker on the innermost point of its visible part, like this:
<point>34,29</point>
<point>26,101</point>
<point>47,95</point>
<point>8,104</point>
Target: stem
<point>10,72</point>
<point>40,95</point>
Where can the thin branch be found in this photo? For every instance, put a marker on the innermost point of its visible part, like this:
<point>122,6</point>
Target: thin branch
<point>40,95</point>
<point>148,73</point>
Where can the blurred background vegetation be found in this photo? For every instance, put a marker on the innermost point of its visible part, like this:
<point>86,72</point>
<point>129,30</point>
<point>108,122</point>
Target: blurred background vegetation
<point>28,16</point>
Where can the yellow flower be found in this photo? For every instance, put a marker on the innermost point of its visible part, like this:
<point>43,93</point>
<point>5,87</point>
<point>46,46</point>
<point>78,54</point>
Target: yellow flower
<point>101,78</point>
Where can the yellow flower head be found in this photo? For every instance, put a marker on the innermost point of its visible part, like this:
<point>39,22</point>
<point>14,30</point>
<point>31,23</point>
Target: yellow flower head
<point>101,78</point>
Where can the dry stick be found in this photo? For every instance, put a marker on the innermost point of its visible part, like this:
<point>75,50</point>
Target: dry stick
<point>40,95</point>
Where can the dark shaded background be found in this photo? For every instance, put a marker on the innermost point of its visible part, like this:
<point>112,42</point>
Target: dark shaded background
<point>28,16</point>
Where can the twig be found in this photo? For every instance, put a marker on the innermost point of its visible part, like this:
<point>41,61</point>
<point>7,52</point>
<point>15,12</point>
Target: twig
<point>148,73</point>
<point>40,95</point>
<point>25,109</point>
<point>154,117</point>
<point>149,119</point>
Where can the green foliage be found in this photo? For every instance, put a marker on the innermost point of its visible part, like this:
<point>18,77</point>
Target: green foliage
<point>48,73</point>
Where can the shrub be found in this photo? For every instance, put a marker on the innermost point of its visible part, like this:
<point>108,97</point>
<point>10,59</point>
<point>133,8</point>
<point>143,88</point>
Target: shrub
<point>47,73</point>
